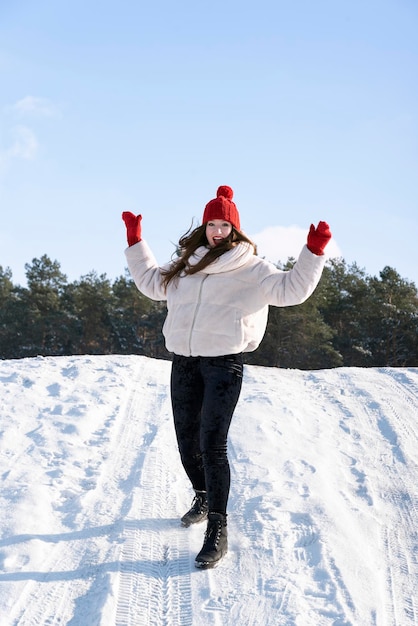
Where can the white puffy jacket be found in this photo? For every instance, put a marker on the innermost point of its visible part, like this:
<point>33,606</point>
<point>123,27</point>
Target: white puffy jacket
<point>223,309</point>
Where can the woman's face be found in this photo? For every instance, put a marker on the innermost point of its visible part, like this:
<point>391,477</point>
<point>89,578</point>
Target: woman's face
<point>217,231</point>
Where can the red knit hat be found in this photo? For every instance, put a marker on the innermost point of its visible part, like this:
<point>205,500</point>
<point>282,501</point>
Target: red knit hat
<point>222,208</point>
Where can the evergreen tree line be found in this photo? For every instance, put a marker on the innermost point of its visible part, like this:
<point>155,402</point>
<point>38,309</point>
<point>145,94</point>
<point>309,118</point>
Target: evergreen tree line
<point>352,319</point>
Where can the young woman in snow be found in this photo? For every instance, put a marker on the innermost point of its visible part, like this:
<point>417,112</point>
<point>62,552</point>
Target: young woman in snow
<point>217,292</point>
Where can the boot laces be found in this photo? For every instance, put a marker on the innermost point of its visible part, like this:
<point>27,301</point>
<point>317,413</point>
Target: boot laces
<point>213,532</point>
<point>197,504</point>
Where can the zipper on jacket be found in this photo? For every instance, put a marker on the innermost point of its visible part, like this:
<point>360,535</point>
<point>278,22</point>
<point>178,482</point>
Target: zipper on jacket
<point>198,303</point>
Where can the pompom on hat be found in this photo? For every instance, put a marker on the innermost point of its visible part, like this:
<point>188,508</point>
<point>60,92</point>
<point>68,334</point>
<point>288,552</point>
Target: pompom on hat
<point>222,208</point>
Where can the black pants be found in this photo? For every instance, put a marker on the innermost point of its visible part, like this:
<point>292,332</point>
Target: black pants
<point>204,394</point>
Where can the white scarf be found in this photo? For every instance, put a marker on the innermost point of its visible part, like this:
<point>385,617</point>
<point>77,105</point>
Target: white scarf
<point>231,260</point>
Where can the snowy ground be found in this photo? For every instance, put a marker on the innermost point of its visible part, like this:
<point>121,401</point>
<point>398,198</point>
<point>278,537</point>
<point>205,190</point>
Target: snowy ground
<point>323,512</point>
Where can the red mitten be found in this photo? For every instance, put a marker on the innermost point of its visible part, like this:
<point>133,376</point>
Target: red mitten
<point>318,238</point>
<point>133,227</point>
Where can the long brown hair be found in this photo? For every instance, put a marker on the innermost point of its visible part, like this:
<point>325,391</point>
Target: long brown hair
<point>190,242</point>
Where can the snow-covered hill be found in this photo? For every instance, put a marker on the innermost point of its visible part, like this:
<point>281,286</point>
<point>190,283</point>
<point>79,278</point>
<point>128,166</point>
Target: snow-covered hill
<point>323,512</point>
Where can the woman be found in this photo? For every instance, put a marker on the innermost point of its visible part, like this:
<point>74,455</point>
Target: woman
<point>217,292</point>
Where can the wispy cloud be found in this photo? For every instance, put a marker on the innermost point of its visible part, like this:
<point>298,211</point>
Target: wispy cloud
<point>278,243</point>
<point>24,144</point>
<point>32,105</point>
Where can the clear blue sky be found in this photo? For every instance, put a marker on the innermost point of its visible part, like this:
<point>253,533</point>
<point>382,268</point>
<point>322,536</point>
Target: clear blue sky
<point>309,110</point>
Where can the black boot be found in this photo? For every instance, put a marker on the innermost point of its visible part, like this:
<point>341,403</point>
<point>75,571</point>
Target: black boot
<point>198,511</point>
<point>215,545</point>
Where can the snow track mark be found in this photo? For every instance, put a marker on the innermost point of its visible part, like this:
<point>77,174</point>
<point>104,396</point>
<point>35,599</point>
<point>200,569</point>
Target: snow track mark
<point>154,578</point>
<point>154,585</point>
